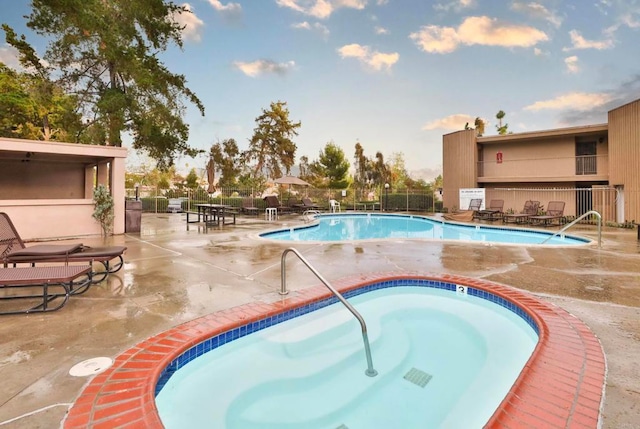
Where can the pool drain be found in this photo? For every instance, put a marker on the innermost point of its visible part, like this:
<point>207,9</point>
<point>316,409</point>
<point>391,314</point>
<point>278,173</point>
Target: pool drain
<point>342,426</point>
<point>417,377</point>
<point>91,366</point>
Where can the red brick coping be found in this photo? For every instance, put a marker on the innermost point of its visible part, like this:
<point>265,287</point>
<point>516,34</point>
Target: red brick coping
<point>561,386</point>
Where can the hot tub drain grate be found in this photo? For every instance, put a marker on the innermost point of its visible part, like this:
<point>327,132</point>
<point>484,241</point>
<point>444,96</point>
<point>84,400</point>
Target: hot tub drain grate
<point>417,377</point>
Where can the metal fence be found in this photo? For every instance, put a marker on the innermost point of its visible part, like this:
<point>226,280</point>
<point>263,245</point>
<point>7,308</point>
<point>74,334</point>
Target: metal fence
<point>156,200</point>
<point>603,199</point>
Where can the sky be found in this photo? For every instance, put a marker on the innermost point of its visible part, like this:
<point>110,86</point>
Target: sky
<point>395,75</point>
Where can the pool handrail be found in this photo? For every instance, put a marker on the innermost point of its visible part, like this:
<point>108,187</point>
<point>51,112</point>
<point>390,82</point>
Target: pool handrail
<point>283,291</point>
<point>578,219</point>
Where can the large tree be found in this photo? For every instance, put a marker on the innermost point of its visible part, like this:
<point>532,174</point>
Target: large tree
<point>271,147</point>
<point>502,129</point>
<point>226,158</point>
<point>106,52</point>
<point>333,166</point>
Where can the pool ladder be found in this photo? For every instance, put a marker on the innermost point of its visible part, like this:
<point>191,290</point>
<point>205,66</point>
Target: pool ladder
<point>283,291</point>
<point>589,213</point>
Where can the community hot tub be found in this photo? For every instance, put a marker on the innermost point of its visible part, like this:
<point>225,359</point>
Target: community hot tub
<point>561,382</point>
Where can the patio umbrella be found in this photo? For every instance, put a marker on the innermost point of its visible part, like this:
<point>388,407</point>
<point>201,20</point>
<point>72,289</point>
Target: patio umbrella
<point>291,180</point>
<point>211,175</point>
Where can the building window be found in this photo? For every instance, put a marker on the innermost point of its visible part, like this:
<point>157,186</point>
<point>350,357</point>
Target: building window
<point>586,160</point>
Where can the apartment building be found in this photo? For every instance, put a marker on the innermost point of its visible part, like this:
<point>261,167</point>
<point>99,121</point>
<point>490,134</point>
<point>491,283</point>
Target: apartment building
<point>591,167</point>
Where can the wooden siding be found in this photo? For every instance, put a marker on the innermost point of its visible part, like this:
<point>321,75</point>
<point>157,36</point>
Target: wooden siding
<point>459,165</point>
<point>624,155</point>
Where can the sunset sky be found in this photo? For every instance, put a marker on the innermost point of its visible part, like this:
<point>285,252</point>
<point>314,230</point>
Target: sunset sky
<point>396,75</point>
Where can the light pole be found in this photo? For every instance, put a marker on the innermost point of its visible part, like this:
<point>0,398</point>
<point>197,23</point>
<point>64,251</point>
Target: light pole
<point>137,187</point>
<point>386,197</point>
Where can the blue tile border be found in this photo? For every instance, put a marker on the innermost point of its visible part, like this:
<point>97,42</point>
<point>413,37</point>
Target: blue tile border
<point>541,234</point>
<point>228,336</point>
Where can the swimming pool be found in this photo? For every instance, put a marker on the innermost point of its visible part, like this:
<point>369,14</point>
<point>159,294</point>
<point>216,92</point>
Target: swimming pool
<point>444,359</point>
<point>380,226</point>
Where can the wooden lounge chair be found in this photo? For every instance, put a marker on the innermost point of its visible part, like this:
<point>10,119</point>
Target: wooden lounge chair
<point>555,212</point>
<point>530,209</point>
<point>493,212</point>
<point>248,207</point>
<point>465,215</point>
<point>43,288</point>
<point>274,203</point>
<point>13,251</point>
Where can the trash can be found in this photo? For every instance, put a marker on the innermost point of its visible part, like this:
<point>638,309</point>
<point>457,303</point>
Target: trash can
<point>132,215</point>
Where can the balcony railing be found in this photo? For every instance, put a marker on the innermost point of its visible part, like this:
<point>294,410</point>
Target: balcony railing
<point>563,168</point>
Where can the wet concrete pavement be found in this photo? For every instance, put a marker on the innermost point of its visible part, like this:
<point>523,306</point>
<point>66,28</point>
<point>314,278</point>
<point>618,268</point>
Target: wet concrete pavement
<point>174,273</point>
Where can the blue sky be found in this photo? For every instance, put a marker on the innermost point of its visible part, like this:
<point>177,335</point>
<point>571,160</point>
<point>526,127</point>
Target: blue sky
<point>396,75</point>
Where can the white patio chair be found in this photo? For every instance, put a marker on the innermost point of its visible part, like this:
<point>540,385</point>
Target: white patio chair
<point>334,206</point>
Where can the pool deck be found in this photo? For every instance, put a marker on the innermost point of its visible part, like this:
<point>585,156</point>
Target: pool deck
<point>176,273</point>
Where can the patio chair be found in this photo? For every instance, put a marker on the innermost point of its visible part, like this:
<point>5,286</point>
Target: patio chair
<point>13,251</point>
<point>555,212</point>
<point>43,288</point>
<point>274,203</point>
<point>493,212</point>
<point>248,206</point>
<point>334,206</point>
<point>530,209</point>
<point>465,215</point>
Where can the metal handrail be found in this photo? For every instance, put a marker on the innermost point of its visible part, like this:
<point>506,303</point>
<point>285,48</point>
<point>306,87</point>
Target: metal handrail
<point>283,291</point>
<point>590,212</point>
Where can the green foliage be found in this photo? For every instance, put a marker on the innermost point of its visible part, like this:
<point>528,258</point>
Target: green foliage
<point>107,53</point>
<point>103,208</point>
<point>227,160</point>
<point>192,179</point>
<point>332,166</point>
<point>479,124</point>
<point>502,129</point>
<point>271,147</point>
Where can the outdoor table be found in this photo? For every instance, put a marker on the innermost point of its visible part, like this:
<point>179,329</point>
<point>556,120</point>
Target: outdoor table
<point>214,213</point>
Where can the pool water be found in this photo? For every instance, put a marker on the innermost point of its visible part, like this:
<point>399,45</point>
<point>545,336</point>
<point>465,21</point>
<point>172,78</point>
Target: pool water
<point>443,360</point>
<point>373,226</point>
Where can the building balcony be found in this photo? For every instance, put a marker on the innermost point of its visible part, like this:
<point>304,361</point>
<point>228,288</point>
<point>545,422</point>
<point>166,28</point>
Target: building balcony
<point>586,168</point>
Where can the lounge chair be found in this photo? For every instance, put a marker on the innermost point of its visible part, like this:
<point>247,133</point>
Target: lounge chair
<point>530,209</point>
<point>274,203</point>
<point>493,212</point>
<point>13,251</point>
<point>175,205</point>
<point>465,215</point>
<point>306,204</point>
<point>555,212</point>
<point>43,288</point>
<point>248,206</point>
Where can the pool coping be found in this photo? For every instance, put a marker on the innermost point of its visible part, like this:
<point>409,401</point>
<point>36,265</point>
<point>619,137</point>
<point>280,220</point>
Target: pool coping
<point>561,385</point>
<point>542,232</point>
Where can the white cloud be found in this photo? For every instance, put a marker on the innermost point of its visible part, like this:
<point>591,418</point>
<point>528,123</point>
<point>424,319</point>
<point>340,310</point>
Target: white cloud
<point>373,59</point>
<point>315,26</point>
<point>320,9</point>
<point>382,2</point>
<point>476,30</point>
<point>260,67</point>
<point>579,42</point>
<point>229,7</point>
<point>231,11</point>
<point>540,53</point>
<point>9,56</point>
<point>574,100</point>
<point>451,122</point>
<point>455,5</point>
<point>537,10</point>
<point>381,30</point>
<point>192,24</point>
<point>572,64</point>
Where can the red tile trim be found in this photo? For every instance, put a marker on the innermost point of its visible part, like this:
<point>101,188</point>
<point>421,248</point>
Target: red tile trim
<point>560,386</point>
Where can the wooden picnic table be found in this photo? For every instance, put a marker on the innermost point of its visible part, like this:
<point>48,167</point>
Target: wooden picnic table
<point>213,213</point>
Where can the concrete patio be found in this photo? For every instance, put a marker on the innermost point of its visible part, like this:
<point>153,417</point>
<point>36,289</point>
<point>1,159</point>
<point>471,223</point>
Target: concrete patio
<point>175,273</point>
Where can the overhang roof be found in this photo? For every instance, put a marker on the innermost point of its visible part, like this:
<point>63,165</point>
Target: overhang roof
<point>580,131</point>
<point>58,152</point>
